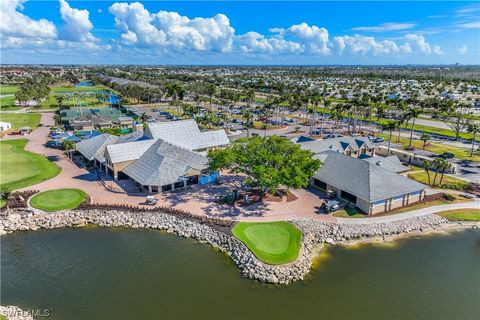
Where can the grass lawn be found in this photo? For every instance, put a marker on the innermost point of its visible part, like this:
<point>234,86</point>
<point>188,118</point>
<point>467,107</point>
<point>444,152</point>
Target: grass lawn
<point>59,199</point>
<point>271,242</point>
<point>19,120</point>
<point>19,168</point>
<point>448,182</point>
<point>64,88</point>
<point>51,102</point>
<point>461,214</point>
<point>2,203</point>
<point>460,153</point>
<point>8,89</point>
<point>8,103</point>
<point>349,212</point>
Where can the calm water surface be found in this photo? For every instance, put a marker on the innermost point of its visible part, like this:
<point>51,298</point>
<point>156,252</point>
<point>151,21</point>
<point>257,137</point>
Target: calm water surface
<point>95,273</point>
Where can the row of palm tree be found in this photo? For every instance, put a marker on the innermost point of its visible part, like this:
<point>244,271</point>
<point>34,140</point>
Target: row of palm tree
<point>440,165</point>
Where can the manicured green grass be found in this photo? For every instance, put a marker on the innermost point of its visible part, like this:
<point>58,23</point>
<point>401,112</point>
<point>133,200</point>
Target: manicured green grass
<point>19,120</point>
<point>461,214</point>
<point>349,212</point>
<point>448,182</point>
<point>59,199</point>
<point>19,168</point>
<point>271,242</point>
<point>2,203</point>
<point>8,89</point>
<point>51,102</point>
<point>460,153</point>
<point>8,103</point>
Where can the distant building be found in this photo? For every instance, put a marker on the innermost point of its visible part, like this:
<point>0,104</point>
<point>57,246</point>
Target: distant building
<point>5,126</point>
<point>351,146</point>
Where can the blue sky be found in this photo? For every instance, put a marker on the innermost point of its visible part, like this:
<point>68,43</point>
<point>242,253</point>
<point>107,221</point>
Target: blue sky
<point>215,32</point>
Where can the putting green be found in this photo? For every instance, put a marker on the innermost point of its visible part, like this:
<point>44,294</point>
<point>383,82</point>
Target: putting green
<point>59,199</point>
<point>271,242</point>
<point>19,168</point>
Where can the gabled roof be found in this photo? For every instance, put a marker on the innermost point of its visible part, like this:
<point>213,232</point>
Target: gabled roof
<point>185,133</point>
<point>120,152</point>
<point>336,144</point>
<point>94,148</point>
<point>163,163</point>
<point>362,178</point>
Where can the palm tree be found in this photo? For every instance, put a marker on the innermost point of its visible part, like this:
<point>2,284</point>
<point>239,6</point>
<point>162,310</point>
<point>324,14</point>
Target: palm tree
<point>143,117</point>
<point>427,165</point>
<point>247,117</point>
<point>390,126</point>
<point>473,128</point>
<point>69,146</point>
<point>437,163</point>
<point>57,119</point>
<point>425,137</point>
<point>413,114</point>
<point>444,166</point>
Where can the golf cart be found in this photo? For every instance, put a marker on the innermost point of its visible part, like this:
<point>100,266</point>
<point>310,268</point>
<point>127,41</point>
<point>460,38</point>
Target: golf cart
<point>151,201</point>
<point>330,206</point>
<point>330,194</point>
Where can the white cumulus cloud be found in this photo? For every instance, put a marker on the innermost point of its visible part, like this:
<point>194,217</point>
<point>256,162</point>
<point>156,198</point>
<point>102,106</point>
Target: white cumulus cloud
<point>364,45</point>
<point>299,38</point>
<point>77,24</point>
<point>170,30</point>
<point>14,23</point>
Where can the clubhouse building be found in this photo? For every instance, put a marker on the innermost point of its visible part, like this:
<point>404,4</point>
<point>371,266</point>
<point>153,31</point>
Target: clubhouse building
<point>166,156</point>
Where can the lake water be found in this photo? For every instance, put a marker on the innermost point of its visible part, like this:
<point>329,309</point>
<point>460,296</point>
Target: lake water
<point>95,273</point>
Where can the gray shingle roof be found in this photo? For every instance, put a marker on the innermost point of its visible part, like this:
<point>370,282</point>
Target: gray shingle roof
<point>185,133</point>
<point>336,144</point>
<point>391,163</point>
<point>163,163</point>
<point>120,152</point>
<point>94,148</point>
<point>363,179</point>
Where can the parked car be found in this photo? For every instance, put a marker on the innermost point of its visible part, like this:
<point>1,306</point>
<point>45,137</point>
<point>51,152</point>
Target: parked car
<point>447,155</point>
<point>379,139</point>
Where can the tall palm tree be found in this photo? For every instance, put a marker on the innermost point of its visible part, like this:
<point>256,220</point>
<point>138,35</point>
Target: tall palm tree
<point>473,128</point>
<point>248,118</point>
<point>427,165</point>
<point>425,137</point>
<point>413,114</point>
<point>437,164</point>
<point>390,126</point>
<point>69,146</point>
<point>444,166</point>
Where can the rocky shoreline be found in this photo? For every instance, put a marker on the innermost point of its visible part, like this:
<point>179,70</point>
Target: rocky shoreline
<point>314,233</point>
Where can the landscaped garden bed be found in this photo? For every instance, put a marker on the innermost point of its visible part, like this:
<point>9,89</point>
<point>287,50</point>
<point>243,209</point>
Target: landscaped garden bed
<point>271,242</point>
